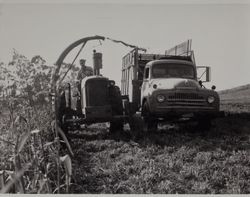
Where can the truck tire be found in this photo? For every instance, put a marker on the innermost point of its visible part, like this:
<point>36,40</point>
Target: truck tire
<point>136,126</point>
<point>149,123</point>
<point>204,124</point>
<point>115,126</point>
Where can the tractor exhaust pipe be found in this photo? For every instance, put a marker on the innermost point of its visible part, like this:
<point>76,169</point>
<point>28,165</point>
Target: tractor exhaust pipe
<point>97,62</point>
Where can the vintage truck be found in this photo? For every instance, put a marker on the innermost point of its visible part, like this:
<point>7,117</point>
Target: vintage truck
<point>165,87</point>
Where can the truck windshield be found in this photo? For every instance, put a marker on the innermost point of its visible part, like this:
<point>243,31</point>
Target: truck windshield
<point>173,71</point>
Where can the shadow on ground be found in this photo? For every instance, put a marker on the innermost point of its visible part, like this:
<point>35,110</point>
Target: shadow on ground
<point>230,132</point>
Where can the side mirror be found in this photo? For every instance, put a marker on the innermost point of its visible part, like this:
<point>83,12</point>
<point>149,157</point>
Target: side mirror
<point>204,72</point>
<point>208,74</point>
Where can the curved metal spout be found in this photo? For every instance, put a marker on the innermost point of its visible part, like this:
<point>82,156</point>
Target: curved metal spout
<point>75,44</point>
<point>61,58</point>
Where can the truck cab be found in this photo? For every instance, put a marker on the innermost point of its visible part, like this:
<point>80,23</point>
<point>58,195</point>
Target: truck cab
<point>170,89</point>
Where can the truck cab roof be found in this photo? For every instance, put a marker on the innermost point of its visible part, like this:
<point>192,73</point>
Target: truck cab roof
<point>169,61</point>
<point>179,57</point>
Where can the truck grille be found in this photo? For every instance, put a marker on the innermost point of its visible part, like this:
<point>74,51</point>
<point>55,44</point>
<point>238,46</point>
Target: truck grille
<point>177,96</point>
<point>186,99</point>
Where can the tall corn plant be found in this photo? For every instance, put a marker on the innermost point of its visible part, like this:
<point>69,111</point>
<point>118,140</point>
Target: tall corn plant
<point>31,154</point>
<point>28,153</point>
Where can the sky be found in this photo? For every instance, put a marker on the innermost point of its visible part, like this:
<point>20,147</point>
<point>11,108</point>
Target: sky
<point>220,32</point>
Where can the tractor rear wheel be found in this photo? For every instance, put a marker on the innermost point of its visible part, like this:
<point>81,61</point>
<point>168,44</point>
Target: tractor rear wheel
<point>116,125</point>
<point>61,114</point>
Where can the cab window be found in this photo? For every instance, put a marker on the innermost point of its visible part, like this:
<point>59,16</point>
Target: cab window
<point>173,70</point>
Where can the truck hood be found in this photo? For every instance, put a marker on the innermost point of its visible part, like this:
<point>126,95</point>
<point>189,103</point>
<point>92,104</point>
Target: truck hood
<point>175,83</point>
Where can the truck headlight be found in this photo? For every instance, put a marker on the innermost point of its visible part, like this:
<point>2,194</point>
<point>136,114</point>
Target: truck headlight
<point>160,98</point>
<point>210,99</point>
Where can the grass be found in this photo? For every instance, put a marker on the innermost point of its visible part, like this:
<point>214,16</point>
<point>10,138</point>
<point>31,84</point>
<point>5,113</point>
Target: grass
<point>170,161</point>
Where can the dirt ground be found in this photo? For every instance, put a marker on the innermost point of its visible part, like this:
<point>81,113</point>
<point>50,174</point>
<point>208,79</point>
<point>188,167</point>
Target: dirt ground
<point>175,159</point>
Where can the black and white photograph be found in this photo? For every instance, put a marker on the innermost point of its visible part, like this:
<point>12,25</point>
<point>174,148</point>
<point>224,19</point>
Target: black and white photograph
<point>125,97</point>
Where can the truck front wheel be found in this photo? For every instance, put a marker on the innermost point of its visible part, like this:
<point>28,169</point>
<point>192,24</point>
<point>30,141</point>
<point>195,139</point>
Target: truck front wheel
<point>136,125</point>
<point>115,126</point>
<point>149,123</point>
<point>204,124</point>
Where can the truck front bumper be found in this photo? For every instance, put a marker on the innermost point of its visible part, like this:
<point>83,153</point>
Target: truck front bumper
<point>173,112</point>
